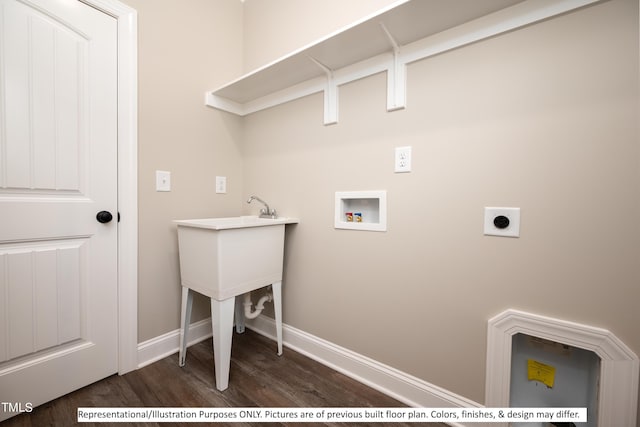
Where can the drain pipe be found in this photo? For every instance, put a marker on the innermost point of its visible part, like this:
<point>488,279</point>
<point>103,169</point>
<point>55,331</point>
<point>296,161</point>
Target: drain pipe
<point>248,314</point>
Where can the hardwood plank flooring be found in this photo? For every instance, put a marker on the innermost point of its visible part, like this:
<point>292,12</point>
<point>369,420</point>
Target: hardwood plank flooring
<point>259,378</point>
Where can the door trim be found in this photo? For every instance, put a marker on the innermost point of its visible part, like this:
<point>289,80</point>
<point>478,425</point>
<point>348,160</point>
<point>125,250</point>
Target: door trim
<point>619,365</point>
<point>127,19</point>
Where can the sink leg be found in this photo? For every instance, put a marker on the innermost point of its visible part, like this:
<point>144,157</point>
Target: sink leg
<point>239,315</point>
<point>222,315</point>
<point>277,307</point>
<point>185,320</point>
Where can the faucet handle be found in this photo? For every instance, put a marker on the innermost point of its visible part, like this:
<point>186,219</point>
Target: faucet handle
<point>268,213</point>
<point>265,212</point>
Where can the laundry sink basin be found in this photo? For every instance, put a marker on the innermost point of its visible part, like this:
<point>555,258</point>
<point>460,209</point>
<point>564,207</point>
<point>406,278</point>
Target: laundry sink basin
<point>225,257</point>
<point>234,222</point>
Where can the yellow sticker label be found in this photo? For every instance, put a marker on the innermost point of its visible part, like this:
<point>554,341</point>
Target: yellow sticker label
<point>538,371</point>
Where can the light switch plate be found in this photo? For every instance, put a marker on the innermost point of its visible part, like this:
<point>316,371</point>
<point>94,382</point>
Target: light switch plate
<point>163,181</point>
<point>503,222</point>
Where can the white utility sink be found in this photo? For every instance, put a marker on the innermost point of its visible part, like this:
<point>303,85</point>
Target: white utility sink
<point>225,257</point>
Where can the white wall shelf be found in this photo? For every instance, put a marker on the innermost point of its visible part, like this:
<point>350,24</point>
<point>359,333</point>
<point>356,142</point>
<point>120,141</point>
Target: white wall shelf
<point>405,32</point>
<point>361,210</point>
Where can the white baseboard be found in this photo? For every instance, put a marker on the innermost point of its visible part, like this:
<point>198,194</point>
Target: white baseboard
<point>405,388</point>
<point>165,345</point>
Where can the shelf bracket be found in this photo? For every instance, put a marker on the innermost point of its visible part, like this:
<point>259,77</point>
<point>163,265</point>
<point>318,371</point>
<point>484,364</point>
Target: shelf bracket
<point>396,76</point>
<point>330,94</point>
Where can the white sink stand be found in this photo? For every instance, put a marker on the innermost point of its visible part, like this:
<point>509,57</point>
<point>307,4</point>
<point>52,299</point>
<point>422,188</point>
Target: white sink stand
<point>222,319</point>
<point>223,259</point>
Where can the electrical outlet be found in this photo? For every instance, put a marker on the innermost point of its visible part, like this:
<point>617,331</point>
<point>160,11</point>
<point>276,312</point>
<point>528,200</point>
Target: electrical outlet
<point>221,184</point>
<point>403,159</point>
<point>503,222</point>
<point>163,181</point>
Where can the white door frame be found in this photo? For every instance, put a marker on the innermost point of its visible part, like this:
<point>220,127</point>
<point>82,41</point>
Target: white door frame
<point>127,179</point>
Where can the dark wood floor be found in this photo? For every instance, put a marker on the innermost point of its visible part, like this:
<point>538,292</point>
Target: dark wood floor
<point>259,378</point>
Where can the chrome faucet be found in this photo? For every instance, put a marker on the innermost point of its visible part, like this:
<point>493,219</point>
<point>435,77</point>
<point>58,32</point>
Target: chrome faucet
<point>265,212</point>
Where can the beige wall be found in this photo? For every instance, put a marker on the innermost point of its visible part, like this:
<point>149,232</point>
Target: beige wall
<point>544,118</point>
<point>185,48</point>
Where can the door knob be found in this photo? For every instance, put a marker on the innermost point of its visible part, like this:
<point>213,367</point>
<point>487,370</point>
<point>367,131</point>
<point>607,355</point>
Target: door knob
<point>104,217</point>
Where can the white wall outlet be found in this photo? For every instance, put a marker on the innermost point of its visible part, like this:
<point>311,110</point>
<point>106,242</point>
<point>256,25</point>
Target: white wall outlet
<point>403,159</point>
<point>221,184</point>
<point>163,181</point>
<point>503,222</point>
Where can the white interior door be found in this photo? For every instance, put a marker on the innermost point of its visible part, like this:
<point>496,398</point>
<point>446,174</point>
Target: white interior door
<point>58,169</point>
